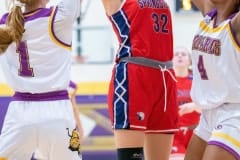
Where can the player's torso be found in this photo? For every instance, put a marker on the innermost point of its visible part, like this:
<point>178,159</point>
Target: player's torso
<point>40,64</point>
<point>216,64</point>
<point>183,89</point>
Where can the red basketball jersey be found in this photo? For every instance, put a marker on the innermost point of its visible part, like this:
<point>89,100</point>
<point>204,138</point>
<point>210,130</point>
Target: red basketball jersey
<point>183,96</point>
<point>144,29</point>
<point>181,139</point>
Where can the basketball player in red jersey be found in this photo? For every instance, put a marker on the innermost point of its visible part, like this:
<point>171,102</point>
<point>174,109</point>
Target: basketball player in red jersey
<point>142,93</point>
<point>188,111</point>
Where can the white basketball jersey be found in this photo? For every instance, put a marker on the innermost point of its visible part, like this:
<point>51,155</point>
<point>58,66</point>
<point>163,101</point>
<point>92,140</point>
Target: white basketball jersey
<point>42,61</point>
<point>216,64</point>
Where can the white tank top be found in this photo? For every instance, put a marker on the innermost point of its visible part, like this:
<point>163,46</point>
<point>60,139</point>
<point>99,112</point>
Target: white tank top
<point>42,61</point>
<point>216,64</point>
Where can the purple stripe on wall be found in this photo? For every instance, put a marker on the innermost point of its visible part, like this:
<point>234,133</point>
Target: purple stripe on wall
<point>100,131</point>
<point>103,112</point>
<point>97,155</point>
<point>100,155</point>
<point>91,99</point>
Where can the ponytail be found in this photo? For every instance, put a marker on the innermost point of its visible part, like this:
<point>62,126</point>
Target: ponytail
<point>14,29</point>
<point>5,39</point>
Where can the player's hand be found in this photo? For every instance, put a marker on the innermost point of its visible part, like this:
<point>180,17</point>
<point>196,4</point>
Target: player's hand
<point>188,108</point>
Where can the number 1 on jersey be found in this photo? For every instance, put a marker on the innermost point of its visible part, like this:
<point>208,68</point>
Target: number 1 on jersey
<point>25,70</point>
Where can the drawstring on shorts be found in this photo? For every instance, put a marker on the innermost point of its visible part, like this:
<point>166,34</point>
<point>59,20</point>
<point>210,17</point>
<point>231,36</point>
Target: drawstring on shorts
<point>163,66</point>
<point>164,69</point>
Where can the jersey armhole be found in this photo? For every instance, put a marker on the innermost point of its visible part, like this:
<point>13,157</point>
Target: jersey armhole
<point>51,32</point>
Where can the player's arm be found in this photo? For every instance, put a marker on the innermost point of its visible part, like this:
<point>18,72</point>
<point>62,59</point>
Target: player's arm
<point>111,6</point>
<point>76,114</point>
<point>188,108</point>
<point>69,10</point>
<point>204,6</point>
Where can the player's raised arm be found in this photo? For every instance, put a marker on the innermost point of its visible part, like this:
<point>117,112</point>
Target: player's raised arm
<point>203,5</point>
<point>111,6</point>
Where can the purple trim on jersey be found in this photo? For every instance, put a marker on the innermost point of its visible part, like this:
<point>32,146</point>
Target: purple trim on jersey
<point>225,147</point>
<point>233,15</point>
<point>50,96</point>
<point>29,16</point>
<point>4,18</point>
<point>122,24</point>
<point>52,30</point>
<point>72,85</point>
<point>41,12</point>
<point>212,13</point>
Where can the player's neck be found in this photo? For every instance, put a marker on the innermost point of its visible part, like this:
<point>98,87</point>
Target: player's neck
<point>34,7</point>
<point>181,72</point>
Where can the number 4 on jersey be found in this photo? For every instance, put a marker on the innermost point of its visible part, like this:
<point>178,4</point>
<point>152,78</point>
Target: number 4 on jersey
<point>201,68</point>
